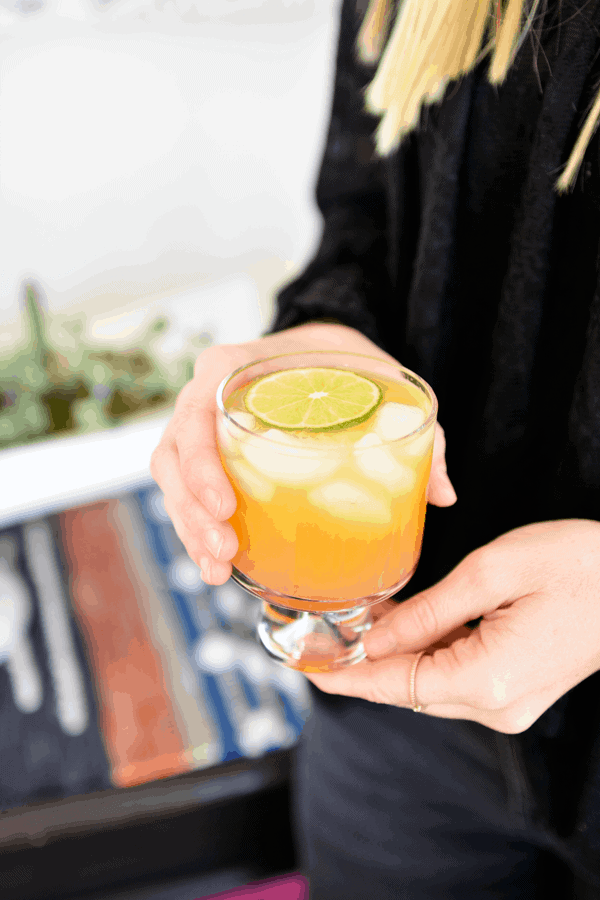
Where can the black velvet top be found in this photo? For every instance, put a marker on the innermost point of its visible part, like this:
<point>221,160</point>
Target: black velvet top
<point>457,256</point>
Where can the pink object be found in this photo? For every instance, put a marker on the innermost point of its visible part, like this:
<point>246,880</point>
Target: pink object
<point>290,887</point>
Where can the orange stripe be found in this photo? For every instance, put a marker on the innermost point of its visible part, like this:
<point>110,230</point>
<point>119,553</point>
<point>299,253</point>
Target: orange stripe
<point>137,717</point>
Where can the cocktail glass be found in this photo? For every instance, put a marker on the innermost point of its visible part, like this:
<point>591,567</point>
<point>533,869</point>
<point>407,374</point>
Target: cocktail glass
<point>328,522</point>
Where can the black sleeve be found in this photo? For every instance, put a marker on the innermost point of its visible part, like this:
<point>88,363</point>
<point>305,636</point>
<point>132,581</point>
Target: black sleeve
<point>347,280</point>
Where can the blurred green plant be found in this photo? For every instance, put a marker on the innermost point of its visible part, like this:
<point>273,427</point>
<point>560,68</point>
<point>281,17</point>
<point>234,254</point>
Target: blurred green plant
<point>55,387</point>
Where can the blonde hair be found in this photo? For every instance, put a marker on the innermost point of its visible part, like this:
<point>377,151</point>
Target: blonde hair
<point>434,42</point>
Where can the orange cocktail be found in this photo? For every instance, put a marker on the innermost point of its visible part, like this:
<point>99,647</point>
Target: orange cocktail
<point>328,518</point>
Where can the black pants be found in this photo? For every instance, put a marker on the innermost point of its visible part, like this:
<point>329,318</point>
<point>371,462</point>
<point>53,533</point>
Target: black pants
<point>394,804</point>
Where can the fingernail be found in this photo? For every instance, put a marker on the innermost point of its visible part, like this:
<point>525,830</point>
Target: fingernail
<point>212,501</point>
<point>379,642</point>
<point>214,539</point>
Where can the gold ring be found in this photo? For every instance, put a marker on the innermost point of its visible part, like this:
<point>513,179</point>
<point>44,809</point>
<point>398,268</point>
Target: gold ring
<point>416,707</point>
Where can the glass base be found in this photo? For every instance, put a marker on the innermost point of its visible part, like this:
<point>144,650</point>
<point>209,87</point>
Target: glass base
<point>314,642</point>
<point>318,637</point>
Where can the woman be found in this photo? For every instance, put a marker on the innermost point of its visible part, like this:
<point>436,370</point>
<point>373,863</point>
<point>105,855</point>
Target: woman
<point>450,247</point>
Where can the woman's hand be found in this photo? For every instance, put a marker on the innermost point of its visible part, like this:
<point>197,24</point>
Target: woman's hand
<point>186,465</point>
<point>537,589</point>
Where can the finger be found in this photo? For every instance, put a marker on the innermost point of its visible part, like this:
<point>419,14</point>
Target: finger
<point>210,543</point>
<point>195,438</point>
<point>379,681</point>
<point>440,491</point>
<point>213,571</point>
<point>443,680</point>
<point>388,681</point>
<point>422,620</point>
<point>200,463</point>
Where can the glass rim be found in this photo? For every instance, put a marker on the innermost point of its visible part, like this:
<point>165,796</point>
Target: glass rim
<point>263,359</point>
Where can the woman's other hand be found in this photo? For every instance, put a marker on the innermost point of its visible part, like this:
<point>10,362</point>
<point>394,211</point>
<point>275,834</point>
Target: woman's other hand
<point>536,591</point>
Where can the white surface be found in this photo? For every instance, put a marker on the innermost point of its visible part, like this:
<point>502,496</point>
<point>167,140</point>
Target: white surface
<point>154,146</point>
<point>64,472</point>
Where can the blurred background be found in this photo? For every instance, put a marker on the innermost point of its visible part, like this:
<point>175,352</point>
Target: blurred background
<point>159,156</point>
<point>158,163</point>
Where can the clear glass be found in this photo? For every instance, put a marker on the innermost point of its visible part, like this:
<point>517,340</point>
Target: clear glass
<point>330,522</point>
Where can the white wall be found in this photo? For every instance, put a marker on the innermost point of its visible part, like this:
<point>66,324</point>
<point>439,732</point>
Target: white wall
<point>152,149</point>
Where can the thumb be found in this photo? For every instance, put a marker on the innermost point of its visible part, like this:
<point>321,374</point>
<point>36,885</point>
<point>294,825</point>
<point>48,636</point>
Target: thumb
<point>430,616</point>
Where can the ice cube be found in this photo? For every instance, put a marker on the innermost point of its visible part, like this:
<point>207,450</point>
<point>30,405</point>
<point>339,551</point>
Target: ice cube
<point>369,440</point>
<point>295,463</point>
<point>396,420</point>
<point>250,481</point>
<point>349,501</point>
<point>337,441</point>
<point>313,443</point>
<point>282,437</point>
<point>379,464</point>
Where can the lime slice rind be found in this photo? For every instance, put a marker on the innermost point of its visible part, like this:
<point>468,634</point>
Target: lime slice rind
<point>313,399</point>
